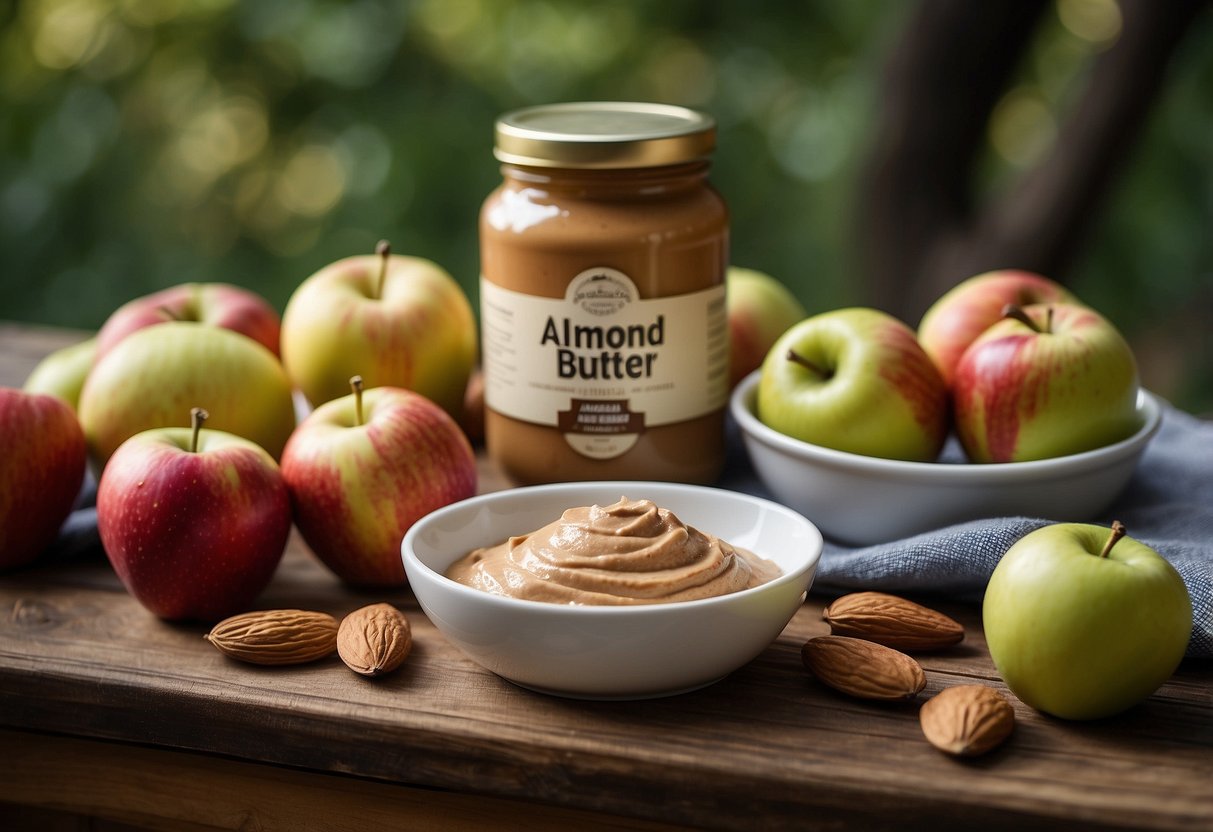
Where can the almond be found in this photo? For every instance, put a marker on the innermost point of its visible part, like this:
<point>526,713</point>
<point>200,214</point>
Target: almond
<point>276,636</point>
<point>967,720</point>
<point>892,621</point>
<point>374,640</point>
<point>863,668</point>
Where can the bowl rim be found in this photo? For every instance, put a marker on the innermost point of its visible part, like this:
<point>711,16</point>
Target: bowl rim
<point>521,493</point>
<point>744,396</point>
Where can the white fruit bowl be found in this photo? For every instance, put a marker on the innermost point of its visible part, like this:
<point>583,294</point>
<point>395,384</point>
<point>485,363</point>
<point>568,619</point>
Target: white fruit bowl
<point>615,652</point>
<point>861,500</point>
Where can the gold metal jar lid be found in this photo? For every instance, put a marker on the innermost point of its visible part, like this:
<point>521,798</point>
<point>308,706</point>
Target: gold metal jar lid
<point>604,134</point>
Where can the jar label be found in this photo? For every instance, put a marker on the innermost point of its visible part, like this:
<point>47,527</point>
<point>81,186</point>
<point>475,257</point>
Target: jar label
<point>603,364</point>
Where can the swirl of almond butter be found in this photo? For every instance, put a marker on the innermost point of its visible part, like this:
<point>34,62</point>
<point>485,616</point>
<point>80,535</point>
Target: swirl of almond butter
<point>630,552</point>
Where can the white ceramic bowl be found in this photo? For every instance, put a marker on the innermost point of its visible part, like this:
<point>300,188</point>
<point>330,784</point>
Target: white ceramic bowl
<point>862,500</point>
<point>611,652</point>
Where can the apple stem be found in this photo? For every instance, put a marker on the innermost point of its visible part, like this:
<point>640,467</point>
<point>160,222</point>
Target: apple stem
<point>1118,531</point>
<point>197,417</point>
<point>356,386</point>
<point>1014,310</point>
<point>806,363</point>
<point>167,313</point>
<point>384,250</point>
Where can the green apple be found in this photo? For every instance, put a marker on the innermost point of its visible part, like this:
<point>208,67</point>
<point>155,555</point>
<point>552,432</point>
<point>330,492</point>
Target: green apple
<point>974,305</point>
<point>760,309</point>
<point>1046,381</point>
<point>61,374</point>
<point>1082,624</point>
<point>154,375</point>
<point>855,380</point>
<point>363,468</point>
<point>396,321</point>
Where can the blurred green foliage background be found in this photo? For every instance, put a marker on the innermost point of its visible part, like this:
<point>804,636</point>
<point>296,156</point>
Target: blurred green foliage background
<point>145,143</point>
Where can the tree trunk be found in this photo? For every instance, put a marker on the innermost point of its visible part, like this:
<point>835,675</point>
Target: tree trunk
<point>921,229</point>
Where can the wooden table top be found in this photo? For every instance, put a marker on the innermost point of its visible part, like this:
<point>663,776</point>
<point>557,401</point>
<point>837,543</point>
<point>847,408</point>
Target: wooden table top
<point>768,747</point>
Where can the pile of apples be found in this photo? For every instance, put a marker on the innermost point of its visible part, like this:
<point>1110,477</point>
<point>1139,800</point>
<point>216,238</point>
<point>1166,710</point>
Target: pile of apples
<point>185,404</point>
<point>1080,622</point>
<point>1010,360</point>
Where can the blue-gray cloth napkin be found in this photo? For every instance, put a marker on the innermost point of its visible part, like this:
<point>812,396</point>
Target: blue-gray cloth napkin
<point>1168,505</point>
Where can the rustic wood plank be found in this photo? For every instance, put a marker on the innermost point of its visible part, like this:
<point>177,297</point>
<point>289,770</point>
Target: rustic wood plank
<point>79,656</point>
<point>768,746</point>
<point>157,789</point>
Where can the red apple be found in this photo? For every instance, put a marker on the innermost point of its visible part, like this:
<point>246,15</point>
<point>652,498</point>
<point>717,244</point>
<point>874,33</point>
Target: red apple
<point>1047,381</point>
<point>760,310</point>
<point>471,418</point>
<point>973,306</point>
<point>194,522</point>
<point>396,321</point>
<point>363,468</point>
<point>42,460</point>
<point>217,304</point>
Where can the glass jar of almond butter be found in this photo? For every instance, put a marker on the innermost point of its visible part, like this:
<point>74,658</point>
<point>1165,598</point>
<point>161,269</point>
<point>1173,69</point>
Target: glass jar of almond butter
<point>602,295</point>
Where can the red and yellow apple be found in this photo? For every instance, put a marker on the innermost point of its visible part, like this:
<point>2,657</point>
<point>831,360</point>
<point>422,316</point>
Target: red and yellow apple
<point>156,374</point>
<point>397,321</point>
<point>1047,381</point>
<point>363,468</point>
<point>217,304</point>
<point>42,464</point>
<point>971,307</point>
<point>760,309</point>
<point>855,380</point>
<point>194,522</point>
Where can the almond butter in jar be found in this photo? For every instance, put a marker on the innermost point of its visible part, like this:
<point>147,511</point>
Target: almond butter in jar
<point>602,295</point>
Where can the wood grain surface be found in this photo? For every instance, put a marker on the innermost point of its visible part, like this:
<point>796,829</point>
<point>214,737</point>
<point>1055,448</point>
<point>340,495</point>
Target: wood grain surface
<point>87,676</point>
